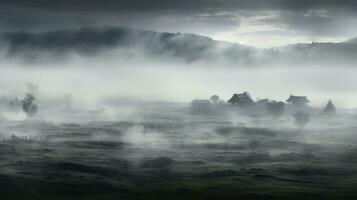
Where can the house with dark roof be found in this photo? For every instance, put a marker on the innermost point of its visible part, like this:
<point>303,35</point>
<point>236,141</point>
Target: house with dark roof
<point>298,100</point>
<point>242,99</point>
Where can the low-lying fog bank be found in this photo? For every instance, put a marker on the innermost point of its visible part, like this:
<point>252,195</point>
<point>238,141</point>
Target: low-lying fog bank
<point>91,83</point>
<point>157,149</point>
<point>164,147</point>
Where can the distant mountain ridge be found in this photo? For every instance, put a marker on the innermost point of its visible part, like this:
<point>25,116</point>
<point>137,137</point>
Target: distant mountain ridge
<point>179,46</point>
<point>92,41</point>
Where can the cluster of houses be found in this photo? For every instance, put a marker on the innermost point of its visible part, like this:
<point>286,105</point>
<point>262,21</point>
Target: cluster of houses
<point>296,104</point>
<point>244,100</point>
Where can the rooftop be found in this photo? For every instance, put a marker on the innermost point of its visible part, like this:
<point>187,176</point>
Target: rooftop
<point>298,99</point>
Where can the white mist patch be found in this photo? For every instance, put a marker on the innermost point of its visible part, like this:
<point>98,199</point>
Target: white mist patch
<point>14,116</point>
<point>140,138</point>
<point>91,80</point>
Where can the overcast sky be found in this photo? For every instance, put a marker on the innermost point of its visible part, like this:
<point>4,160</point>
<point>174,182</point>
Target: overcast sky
<point>261,23</point>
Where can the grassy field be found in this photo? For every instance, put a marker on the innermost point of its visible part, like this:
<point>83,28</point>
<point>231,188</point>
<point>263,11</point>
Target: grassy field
<point>172,154</point>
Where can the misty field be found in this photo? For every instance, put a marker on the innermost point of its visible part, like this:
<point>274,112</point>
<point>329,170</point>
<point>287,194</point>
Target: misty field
<point>164,151</point>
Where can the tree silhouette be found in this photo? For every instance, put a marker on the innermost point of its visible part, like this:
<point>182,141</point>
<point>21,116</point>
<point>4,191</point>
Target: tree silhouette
<point>29,106</point>
<point>330,108</point>
<point>214,98</point>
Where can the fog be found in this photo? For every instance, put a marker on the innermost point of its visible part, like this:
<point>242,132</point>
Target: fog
<point>178,100</point>
<point>102,63</point>
<point>98,79</point>
<point>115,117</point>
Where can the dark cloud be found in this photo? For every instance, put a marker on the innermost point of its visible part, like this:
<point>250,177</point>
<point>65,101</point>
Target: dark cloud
<point>177,5</point>
<point>205,17</point>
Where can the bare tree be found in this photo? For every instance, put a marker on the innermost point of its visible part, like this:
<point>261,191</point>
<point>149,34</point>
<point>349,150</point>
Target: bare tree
<point>29,106</point>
